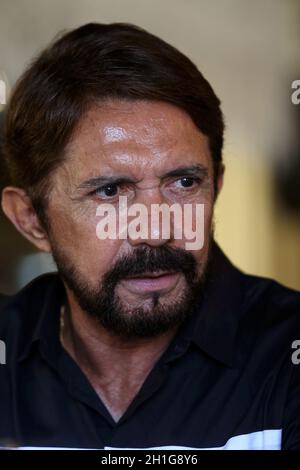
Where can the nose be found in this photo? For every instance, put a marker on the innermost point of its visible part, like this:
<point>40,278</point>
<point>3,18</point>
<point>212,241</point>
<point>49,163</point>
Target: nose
<point>150,222</point>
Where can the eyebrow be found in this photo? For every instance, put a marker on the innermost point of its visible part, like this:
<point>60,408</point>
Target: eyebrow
<point>195,170</point>
<point>104,180</point>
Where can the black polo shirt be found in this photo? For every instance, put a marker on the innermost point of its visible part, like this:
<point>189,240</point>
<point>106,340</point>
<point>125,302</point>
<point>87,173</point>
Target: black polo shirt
<point>227,380</point>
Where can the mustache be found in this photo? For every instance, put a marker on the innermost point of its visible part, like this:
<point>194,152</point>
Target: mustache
<point>145,259</point>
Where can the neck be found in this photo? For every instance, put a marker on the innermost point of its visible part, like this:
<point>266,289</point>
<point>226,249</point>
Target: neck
<point>116,367</point>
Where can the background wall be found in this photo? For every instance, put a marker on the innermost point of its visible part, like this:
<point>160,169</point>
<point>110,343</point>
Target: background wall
<point>250,52</point>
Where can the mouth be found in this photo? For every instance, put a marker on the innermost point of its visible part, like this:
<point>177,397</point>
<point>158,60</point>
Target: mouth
<point>151,282</point>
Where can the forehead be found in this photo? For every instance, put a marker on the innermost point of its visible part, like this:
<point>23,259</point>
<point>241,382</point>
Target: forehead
<point>137,136</point>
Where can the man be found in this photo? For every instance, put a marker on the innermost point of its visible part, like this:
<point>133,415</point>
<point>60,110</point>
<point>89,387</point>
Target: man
<point>137,342</point>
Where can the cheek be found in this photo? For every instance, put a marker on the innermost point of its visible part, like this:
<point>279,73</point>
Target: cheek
<point>199,220</point>
<point>76,238</point>
<point>201,223</point>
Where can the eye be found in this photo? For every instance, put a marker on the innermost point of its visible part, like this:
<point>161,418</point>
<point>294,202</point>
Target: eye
<point>186,182</point>
<point>108,190</point>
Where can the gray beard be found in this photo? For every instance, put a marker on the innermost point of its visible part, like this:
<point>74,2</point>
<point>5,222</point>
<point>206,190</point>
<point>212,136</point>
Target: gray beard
<point>153,317</point>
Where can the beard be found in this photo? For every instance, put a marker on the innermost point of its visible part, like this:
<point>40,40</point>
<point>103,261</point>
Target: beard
<point>152,317</point>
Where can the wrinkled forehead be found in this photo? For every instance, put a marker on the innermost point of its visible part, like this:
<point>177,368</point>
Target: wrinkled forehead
<point>139,136</point>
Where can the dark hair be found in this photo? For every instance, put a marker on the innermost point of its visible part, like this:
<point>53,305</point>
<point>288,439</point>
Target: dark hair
<point>96,62</point>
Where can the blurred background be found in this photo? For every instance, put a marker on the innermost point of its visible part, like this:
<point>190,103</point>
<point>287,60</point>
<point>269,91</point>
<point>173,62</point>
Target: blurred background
<point>250,53</point>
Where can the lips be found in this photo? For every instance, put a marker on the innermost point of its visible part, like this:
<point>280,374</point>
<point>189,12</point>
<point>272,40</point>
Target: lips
<point>149,282</point>
<point>150,275</point>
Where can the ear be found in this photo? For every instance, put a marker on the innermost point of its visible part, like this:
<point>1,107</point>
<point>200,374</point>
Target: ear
<point>18,208</point>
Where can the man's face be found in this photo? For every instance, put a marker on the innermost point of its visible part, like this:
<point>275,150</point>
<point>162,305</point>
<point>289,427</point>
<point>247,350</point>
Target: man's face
<point>152,153</point>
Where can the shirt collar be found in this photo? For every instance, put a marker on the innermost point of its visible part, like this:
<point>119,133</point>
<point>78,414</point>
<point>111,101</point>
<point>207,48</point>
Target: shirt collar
<point>212,326</point>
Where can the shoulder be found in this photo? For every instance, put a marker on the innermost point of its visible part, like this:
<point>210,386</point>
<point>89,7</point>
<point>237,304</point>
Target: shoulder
<point>25,306</point>
<point>269,323</point>
<point>273,300</point>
